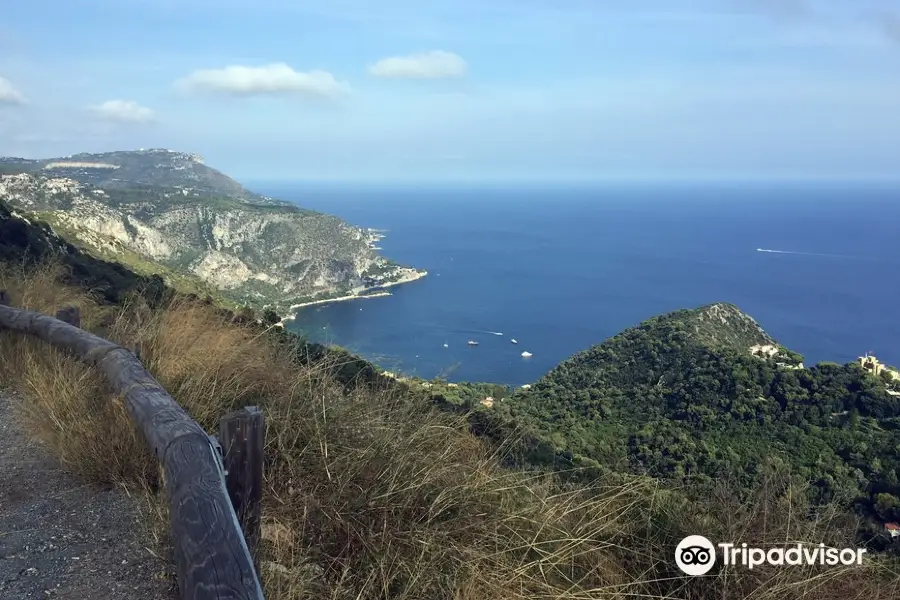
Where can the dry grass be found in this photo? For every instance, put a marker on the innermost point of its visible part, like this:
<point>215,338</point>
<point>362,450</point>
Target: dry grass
<point>372,495</point>
<point>69,407</point>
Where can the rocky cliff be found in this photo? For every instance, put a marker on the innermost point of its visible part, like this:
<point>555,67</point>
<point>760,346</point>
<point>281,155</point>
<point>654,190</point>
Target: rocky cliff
<point>167,212</point>
<point>25,242</point>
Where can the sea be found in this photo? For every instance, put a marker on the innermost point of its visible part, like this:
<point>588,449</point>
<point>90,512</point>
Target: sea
<point>560,268</point>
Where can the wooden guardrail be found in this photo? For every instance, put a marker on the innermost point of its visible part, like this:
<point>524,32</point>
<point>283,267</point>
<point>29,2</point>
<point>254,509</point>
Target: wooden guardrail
<point>212,558</point>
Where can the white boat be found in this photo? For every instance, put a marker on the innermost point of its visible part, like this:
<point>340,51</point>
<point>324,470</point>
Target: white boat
<point>446,345</point>
<point>526,355</point>
<point>473,343</point>
<point>514,341</point>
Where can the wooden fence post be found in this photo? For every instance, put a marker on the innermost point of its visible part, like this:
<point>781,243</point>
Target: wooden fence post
<point>70,315</point>
<point>242,437</point>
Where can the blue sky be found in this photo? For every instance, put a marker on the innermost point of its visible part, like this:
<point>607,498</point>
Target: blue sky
<point>462,89</point>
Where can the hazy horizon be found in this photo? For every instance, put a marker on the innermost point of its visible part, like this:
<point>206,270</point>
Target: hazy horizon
<point>542,180</point>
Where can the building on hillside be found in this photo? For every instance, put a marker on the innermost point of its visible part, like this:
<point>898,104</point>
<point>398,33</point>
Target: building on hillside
<point>488,402</point>
<point>871,364</point>
<point>767,350</point>
<point>789,366</point>
<point>893,529</point>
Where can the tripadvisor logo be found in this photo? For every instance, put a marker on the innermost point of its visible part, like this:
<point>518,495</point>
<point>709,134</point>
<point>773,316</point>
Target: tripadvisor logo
<point>696,555</point>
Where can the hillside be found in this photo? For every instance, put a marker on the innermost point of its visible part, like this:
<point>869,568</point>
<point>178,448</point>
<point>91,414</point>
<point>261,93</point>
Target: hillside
<point>369,493</point>
<point>372,494</point>
<point>167,213</point>
<point>25,242</point>
<point>678,397</point>
<point>681,396</point>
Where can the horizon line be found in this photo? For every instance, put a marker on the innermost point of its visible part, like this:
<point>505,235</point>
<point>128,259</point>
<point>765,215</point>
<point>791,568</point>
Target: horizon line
<point>651,180</point>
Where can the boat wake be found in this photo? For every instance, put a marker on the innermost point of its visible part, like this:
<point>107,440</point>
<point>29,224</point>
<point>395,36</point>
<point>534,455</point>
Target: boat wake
<point>809,254</point>
<point>482,331</point>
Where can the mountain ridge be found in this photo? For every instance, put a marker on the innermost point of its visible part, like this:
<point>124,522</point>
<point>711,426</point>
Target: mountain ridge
<point>125,168</point>
<point>167,212</point>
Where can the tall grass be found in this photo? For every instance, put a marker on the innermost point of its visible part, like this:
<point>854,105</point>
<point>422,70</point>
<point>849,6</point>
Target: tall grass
<point>372,494</point>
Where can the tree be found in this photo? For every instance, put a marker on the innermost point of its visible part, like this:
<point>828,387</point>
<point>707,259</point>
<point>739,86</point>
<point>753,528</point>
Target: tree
<point>270,317</point>
<point>886,506</point>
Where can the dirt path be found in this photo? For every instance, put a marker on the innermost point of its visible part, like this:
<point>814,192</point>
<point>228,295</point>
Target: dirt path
<point>62,538</point>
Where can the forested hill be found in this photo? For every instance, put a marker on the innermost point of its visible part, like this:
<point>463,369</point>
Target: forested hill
<point>641,354</point>
<point>682,396</point>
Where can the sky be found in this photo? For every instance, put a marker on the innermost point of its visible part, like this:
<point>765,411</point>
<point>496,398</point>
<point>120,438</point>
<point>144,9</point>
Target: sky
<point>471,90</point>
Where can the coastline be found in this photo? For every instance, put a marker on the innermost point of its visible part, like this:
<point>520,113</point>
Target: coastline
<point>356,295</point>
<point>408,279</point>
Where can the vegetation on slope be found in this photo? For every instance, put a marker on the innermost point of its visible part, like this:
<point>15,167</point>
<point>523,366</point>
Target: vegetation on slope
<point>368,493</point>
<point>681,397</point>
<point>371,493</point>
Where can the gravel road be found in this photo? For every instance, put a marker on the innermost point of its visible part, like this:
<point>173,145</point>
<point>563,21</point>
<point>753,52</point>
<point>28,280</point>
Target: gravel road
<point>62,538</point>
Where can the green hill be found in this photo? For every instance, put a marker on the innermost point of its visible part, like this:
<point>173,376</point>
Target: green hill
<point>682,397</point>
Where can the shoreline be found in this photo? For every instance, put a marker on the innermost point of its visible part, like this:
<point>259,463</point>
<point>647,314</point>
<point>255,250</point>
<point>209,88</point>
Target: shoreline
<point>356,296</point>
<point>415,277</point>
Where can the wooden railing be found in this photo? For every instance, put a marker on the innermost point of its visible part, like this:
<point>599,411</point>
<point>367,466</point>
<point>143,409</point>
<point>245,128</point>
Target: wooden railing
<point>213,560</point>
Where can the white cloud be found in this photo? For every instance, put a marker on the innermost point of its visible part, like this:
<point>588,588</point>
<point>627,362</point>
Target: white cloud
<point>123,111</point>
<point>275,78</point>
<point>436,64</point>
<point>9,94</point>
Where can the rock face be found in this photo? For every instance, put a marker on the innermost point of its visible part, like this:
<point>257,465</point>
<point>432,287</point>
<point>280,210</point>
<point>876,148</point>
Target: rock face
<point>24,242</point>
<point>169,209</point>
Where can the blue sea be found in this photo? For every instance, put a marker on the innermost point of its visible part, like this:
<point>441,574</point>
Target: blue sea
<point>561,268</point>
